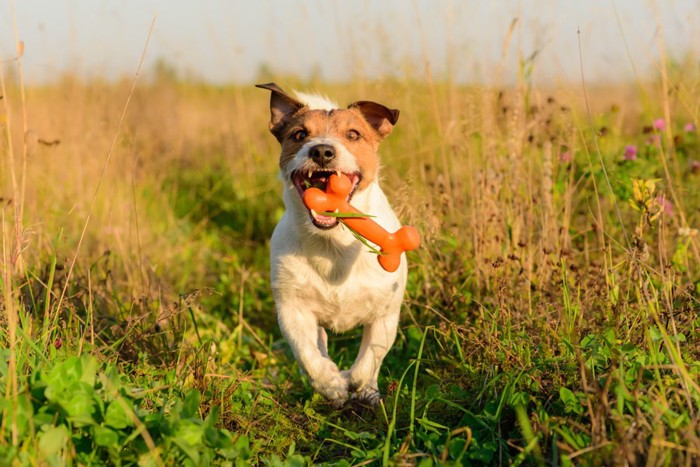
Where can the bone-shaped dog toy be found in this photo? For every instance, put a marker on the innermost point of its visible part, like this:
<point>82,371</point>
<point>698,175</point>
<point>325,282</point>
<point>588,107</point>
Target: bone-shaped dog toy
<point>334,199</point>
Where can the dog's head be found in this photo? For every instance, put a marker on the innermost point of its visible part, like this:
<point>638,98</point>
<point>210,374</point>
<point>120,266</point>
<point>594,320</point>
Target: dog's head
<point>317,142</point>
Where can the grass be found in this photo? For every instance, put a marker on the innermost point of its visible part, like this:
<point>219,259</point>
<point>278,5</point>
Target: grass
<point>551,316</point>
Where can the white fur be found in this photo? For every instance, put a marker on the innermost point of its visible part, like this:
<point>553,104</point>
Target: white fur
<point>327,279</point>
<point>315,101</point>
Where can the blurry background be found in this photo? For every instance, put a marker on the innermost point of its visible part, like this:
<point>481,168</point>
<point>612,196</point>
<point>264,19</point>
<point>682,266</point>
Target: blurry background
<point>221,41</point>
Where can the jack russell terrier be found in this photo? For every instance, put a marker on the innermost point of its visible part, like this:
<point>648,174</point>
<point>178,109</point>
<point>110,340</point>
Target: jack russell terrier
<point>323,277</point>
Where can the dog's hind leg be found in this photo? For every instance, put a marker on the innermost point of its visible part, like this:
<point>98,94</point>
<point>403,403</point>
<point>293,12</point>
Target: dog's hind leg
<point>377,339</point>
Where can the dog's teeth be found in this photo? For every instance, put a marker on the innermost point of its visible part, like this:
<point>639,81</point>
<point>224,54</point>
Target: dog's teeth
<point>313,213</point>
<point>311,172</point>
<point>336,210</point>
<point>338,173</point>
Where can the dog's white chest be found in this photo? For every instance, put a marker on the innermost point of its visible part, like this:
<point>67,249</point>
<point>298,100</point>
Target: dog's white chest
<point>362,295</point>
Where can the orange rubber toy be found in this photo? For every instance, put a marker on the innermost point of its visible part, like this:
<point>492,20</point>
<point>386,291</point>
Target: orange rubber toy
<point>334,200</point>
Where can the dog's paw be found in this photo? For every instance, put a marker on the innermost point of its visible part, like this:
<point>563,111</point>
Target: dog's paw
<point>333,386</point>
<point>362,391</point>
<point>367,395</point>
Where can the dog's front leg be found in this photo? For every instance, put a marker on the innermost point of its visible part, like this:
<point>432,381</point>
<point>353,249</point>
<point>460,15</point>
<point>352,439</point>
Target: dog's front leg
<point>307,341</point>
<point>377,339</point>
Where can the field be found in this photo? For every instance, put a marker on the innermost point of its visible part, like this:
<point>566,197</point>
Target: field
<point>551,316</point>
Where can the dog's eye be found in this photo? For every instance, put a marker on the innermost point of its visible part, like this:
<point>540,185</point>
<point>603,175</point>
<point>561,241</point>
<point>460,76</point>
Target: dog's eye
<point>299,135</point>
<point>353,135</point>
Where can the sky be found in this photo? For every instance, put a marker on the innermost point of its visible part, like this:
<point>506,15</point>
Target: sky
<point>232,41</point>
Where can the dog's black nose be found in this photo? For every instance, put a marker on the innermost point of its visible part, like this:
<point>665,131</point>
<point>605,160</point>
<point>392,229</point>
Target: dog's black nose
<point>322,154</point>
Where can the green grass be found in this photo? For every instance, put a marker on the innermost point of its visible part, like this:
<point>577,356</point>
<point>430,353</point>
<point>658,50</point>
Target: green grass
<point>539,327</point>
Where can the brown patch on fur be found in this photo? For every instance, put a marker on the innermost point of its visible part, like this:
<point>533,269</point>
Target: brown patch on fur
<point>381,118</point>
<point>289,146</point>
<point>336,124</point>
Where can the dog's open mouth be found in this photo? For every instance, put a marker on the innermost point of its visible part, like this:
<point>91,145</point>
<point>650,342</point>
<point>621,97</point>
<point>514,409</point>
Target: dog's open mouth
<point>303,180</point>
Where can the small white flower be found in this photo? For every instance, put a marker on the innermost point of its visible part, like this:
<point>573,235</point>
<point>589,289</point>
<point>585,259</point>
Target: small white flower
<point>687,232</point>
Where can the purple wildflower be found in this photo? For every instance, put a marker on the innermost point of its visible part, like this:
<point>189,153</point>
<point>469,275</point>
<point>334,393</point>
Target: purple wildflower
<point>566,156</point>
<point>665,205</point>
<point>630,152</point>
<point>659,124</point>
<point>689,127</point>
<point>695,167</point>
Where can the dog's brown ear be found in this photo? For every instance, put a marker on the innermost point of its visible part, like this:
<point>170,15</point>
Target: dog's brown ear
<point>282,106</point>
<point>380,117</point>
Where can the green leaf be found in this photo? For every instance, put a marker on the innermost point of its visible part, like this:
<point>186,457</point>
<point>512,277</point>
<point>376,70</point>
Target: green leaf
<point>190,406</point>
<point>566,395</point>
<point>53,440</point>
<point>656,335</point>
<point>357,436</point>
<point>89,366</point>
<point>576,441</point>
<point>433,391</point>
<point>217,438</point>
<point>569,346</point>
<point>347,215</point>
<point>242,445</point>
<point>456,448</point>
<point>295,460</point>
<point>190,432</point>
<point>80,406</point>
<point>570,400</point>
<point>680,337</point>
<point>24,413</point>
<point>519,398</point>
<point>187,438</point>
<point>116,415</point>
<point>482,451</point>
<point>42,417</point>
<point>105,437</point>
<point>68,372</point>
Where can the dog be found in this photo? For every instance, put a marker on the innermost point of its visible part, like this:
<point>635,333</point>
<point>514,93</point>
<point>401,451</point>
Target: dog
<point>322,276</point>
